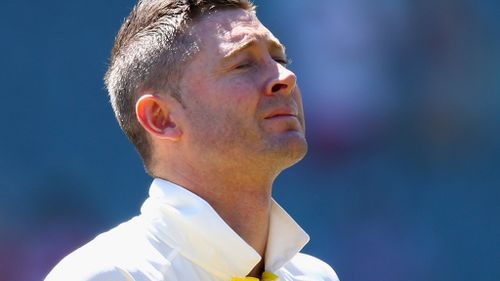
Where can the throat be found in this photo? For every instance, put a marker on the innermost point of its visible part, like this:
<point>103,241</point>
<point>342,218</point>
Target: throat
<point>258,269</point>
<point>249,216</point>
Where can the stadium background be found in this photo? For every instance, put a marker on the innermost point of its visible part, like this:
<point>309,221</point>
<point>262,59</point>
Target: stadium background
<point>402,105</point>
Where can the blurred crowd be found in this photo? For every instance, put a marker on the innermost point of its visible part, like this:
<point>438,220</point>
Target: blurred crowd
<point>401,99</point>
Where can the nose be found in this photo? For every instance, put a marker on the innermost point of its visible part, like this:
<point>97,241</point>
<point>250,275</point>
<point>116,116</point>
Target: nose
<point>283,82</point>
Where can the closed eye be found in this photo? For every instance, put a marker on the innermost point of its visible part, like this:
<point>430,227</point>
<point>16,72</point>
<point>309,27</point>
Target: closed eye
<point>282,61</point>
<point>243,65</point>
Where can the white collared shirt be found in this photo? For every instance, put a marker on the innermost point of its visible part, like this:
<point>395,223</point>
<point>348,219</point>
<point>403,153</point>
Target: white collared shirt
<point>179,237</point>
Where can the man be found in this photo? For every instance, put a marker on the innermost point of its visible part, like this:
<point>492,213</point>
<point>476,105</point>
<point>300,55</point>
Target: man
<point>202,90</point>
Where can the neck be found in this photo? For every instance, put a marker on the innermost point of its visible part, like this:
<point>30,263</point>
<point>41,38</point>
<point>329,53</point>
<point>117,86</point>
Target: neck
<point>244,203</point>
<point>248,214</point>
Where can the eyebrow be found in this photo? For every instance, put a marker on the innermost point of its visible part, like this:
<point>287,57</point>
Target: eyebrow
<point>273,45</point>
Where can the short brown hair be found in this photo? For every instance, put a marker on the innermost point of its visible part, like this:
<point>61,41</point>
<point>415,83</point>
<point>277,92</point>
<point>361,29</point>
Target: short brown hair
<point>149,51</point>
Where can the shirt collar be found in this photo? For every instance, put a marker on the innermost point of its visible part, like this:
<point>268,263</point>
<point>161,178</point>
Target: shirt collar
<point>184,221</point>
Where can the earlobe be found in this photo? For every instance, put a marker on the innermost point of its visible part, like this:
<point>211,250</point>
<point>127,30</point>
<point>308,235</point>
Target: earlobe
<point>156,118</point>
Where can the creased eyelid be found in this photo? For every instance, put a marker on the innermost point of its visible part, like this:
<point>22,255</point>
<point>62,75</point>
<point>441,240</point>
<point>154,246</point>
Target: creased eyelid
<point>243,65</point>
<point>283,61</point>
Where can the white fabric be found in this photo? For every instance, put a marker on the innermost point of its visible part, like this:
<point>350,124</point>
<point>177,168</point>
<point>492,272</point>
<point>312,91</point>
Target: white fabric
<point>180,237</point>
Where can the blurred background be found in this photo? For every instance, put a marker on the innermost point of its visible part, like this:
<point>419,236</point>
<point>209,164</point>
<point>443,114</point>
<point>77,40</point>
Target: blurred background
<point>402,102</point>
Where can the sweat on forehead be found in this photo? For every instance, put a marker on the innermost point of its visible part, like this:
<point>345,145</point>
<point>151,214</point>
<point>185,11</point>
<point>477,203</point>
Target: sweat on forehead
<point>234,26</point>
<point>224,20</point>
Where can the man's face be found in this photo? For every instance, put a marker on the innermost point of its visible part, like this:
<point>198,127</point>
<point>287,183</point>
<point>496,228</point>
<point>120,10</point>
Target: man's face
<point>242,103</point>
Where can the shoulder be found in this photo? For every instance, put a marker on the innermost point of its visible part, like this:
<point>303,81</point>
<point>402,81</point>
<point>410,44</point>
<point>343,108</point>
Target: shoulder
<point>68,270</point>
<point>115,255</point>
<point>312,267</point>
<point>91,262</point>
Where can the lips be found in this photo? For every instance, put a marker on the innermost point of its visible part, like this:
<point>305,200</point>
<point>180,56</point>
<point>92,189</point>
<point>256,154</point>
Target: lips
<point>282,112</point>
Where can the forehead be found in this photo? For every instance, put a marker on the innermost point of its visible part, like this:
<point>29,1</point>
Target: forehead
<point>225,29</point>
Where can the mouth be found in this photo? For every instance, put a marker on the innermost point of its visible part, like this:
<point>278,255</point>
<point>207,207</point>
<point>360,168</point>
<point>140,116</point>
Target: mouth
<point>282,113</point>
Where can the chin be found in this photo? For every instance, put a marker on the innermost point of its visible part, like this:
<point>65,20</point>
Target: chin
<point>292,149</point>
<point>299,152</point>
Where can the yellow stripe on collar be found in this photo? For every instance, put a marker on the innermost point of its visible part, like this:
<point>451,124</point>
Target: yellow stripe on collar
<point>266,276</point>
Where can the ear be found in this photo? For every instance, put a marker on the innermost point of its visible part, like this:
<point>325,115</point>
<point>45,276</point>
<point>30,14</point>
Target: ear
<point>155,116</point>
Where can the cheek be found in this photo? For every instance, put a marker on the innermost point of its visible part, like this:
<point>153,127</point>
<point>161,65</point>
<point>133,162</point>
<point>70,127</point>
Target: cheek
<point>241,93</point>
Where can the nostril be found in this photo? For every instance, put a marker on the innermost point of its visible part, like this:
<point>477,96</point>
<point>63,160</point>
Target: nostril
<point>278,87</point>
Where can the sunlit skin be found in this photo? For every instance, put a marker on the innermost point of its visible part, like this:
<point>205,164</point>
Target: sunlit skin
<point>240,123</point>
<point>228,95</point>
